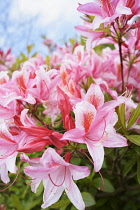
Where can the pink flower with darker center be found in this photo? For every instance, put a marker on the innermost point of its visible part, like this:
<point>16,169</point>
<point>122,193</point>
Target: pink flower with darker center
<point>57,175</point>
<point>94,122</point>
<point>105,11</point>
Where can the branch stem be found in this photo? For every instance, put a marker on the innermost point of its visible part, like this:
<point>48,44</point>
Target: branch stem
<point>121,63</point>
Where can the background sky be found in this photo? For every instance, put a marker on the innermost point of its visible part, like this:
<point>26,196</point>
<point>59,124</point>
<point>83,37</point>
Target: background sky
<point>22,22</point>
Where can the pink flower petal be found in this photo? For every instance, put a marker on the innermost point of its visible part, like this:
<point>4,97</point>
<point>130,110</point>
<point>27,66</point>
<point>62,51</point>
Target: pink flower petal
<point>75,135</point>
<point>51,194</point>
<point>74,194</point>
<point>79,172</point>
<point>84,115</point>
<point>90,9</point>
<point>97,153</point>
<point>95,96</point>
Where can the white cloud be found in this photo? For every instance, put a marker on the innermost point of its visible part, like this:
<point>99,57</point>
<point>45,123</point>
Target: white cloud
<point>48,11</point>
<point>32,18</point>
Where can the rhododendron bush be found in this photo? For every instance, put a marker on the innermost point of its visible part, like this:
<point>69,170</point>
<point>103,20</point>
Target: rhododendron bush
<point>70,121</point>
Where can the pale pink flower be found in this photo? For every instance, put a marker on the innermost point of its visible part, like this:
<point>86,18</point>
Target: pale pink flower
<point>6,60</point>
<point>8,105</point>
<point>44,85</point>
<point>8,151</point>
<point>93,36</point>
<point>21,85</point>
<point>57,175</point>
<point>7,164</point>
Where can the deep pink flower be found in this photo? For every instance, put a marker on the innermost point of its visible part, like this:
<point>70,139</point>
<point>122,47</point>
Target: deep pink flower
<point>65,107</point>
<point>95,129</point>
<point>36,137</point>
<point>105,11</point>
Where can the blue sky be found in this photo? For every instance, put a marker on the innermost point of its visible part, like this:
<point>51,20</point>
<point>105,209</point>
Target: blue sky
<point>27,20</point>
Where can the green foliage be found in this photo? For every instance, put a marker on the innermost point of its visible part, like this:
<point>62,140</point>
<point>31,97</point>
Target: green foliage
<point>61,203</point>
<point>138,171</point>
<point>48,61</point>
<point>107,186</point>
<point>128,166</point>
<point>88,199</point>
<point>121,118</point>
<point>29,48</point>
<point>107,97</point>
<point>134,116</point>
<point>134,139</point>
<point>98,49</point>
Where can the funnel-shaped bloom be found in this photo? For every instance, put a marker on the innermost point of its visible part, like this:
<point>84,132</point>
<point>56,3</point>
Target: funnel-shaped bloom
<point>95,129</point>
<point>57,176</point>
<point>106,11</point>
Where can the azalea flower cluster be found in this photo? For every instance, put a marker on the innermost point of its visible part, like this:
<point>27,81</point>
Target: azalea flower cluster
<point>59,107</point>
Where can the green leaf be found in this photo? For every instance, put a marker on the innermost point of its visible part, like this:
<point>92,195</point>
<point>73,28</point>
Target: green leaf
<point>72,41</point>
<point>25,192</point>
<point>60,204</point>
<point>108,187</point>
<point>16,202</point>
<point>108,30</point>
<point>108,150</point>
<point>107,97</point>
<point>88,199</point>
<point>138,171</point>
<point>63,208</point>
<point>137,149</point>
<point>43,37</point>
<point>76,161</point>
<point>135,139</point>
<point>89,81</point>
<point>121,116</point>
<point>101,202</point>
<point>23,57</point>
<point>73,208</point>
<point>134,116</point>
<point>128,166</point>
<point>32,203</point>
<point>39,189</point>
<point>29,48</point>
<point>82,40</point>
<point>48,60</point>
<point>98,49</point>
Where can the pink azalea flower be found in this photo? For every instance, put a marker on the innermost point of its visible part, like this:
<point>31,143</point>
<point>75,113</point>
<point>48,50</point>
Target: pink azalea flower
<point>95,96</point>
<point>93,36</point>
<point>21,85</point>
<point>65,107</point>
<point>36,137</point>
<point>8,144</point>
<point>44,86</point>
<point>8,151</point>
<point>57,175</point>
<point>106,11</point>
<point>8,105</point>
<point>7,164</point>
<point>74,64</point>
<point>4,78</point>
<point>95,129</point>
<point>6,60</point>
